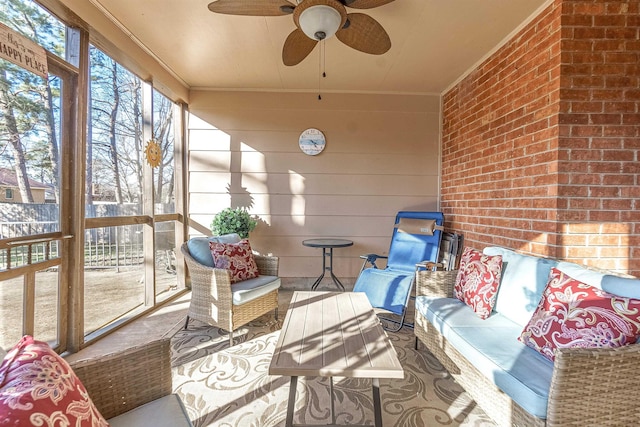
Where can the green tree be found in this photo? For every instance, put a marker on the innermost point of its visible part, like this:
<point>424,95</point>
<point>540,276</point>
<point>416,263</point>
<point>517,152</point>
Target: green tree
<point>27,102</point>
<point>116,138</point>
<point>116,145</point>
<point>9,103</point>
<point>163,133</point>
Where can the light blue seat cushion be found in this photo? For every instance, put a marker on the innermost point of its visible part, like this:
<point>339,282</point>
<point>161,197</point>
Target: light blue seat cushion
<point>445,313</point>
<point>492,346</point>
<point>168,411</point>
<point>387,289</point>
<point>199,246</point>
<point>248,290</point>
<point>522,282</point>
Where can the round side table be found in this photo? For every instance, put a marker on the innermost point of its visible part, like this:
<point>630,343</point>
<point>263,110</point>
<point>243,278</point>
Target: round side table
<point>327,246</point>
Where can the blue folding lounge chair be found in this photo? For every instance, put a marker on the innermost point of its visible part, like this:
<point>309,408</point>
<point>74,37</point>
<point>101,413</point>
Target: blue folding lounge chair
<point>415,241</point>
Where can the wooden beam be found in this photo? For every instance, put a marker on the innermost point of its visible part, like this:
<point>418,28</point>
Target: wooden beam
<point>181,195</point>
<point>28,301</point>
<point>117,221</point>
<point>24,270</point>
<point>167,217</point>
<point>73,202</point>
<point>26,240</point>
<point>148,199</point>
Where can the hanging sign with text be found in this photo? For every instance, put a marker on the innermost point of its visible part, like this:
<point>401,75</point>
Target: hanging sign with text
<point>18,49</point>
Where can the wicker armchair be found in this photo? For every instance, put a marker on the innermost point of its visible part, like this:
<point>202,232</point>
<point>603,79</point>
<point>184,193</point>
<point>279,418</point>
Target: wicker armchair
<point>127,379</point>
<point>212,295</point>
<point>589,387</point>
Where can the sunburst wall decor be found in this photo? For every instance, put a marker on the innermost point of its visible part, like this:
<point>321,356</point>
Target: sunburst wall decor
<point>153,153</point>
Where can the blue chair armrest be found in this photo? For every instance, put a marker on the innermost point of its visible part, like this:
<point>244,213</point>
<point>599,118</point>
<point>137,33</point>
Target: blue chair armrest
<point>371,259</point>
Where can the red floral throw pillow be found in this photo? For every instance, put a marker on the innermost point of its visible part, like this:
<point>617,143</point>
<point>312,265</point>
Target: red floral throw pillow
<point>574,314</point>
<point>235,257</point>
<point>477,281</point>
<point>38,387</point>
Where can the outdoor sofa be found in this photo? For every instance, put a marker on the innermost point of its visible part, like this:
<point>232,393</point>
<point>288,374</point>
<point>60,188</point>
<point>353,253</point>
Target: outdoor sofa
<point>513,383</point>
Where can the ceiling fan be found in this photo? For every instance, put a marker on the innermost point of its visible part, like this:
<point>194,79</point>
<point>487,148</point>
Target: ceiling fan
<point>317,20</point>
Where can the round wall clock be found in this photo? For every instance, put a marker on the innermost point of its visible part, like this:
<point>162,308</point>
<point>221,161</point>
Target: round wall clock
<point>311,141</point>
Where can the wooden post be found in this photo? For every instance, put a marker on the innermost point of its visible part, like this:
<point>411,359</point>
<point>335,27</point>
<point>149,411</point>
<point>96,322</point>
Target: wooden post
<point>148,199</point>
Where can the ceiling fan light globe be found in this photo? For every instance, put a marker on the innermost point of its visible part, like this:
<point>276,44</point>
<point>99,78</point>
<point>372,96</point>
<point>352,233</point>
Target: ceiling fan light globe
<point>320,20</point>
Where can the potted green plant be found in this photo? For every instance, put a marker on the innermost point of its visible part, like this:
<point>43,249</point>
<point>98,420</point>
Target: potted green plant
<point>232,220</point>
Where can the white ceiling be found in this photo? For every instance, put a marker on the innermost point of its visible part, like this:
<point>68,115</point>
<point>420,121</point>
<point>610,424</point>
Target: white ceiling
<point>434,42</point>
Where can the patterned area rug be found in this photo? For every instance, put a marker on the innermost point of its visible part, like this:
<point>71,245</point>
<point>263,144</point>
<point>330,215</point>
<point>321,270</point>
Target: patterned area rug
<point>223,386</point>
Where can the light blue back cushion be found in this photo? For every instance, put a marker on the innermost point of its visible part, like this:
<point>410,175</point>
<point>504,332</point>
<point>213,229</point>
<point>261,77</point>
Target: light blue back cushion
<point>621,286</point>
<point>523,280</point>
<point>199,246</point>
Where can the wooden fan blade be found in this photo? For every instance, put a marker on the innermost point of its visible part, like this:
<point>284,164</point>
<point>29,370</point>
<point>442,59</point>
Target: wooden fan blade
<point>365,4</point>
<point>364,34</point>
<point>252,7</point>
<point>297,47</point>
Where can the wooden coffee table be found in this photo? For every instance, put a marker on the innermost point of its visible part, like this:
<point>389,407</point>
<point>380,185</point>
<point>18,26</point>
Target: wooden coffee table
<point>327,334</point>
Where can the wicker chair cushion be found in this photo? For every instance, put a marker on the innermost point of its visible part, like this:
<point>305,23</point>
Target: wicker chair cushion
<point>168,411</point>
<point>38,387</point>
<point>572,314</point>
<point>492,346</point>
<point>477,281</point>
<point>248,290</point>
<point>523,280</point>
<point>199,247</point>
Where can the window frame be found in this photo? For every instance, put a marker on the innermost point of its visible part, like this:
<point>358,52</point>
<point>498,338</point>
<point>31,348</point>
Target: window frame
<point>74,72</point>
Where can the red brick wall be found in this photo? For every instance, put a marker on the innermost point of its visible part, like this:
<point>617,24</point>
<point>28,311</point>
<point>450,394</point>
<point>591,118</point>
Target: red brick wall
<point>541,141</point>
<point>500,141</point>
<point>599,136</point>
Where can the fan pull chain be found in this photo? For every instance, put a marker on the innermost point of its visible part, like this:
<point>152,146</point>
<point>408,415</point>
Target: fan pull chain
<point>321,68</point>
